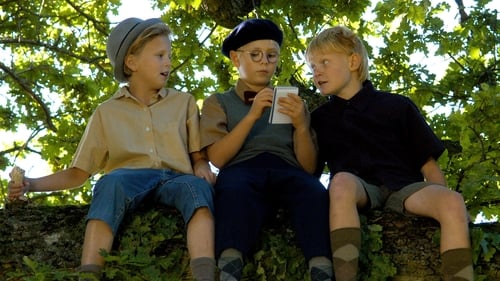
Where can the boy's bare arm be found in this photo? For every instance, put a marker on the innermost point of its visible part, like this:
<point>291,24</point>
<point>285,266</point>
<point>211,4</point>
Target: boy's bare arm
<point>65,179</point>
<point>305,149</point>
<point>432,172</point>
<point>223,150</point>
<point>304,144</point>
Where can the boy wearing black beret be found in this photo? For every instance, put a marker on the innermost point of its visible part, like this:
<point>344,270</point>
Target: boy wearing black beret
<point>262,166</point>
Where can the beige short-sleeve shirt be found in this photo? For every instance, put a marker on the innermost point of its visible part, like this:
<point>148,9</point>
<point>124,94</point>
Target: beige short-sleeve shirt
<point>123,133</point>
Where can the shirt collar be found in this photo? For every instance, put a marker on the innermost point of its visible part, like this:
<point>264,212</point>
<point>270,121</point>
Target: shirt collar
<point>361,100</point>
<point>124,92</point>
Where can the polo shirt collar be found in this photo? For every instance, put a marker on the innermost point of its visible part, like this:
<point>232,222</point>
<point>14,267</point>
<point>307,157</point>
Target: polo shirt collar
<point>361,100</point>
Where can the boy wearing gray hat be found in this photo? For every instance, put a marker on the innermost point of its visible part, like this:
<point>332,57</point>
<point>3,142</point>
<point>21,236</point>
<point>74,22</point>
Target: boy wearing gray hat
<point>145,139</point>
<point>262,166</point>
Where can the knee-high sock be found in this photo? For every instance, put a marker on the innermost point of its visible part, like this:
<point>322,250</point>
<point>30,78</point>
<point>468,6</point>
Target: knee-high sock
<point>456,265</point>
<point>345,243</point>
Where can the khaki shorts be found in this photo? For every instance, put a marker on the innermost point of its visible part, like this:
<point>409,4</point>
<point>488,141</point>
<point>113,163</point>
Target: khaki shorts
<point>382,197</point>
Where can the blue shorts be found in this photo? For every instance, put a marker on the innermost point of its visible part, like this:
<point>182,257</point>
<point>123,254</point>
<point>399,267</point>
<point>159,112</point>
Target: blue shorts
<point>123,190</point>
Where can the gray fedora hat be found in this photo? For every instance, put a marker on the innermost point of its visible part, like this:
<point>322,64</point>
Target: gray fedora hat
<point>120,39</point>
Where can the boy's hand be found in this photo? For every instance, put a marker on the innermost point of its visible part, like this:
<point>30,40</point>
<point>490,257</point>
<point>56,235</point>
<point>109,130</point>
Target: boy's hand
<point>202,169</point>
<point>261,101</point>
<point>16,187</point>
<point>294,106</point>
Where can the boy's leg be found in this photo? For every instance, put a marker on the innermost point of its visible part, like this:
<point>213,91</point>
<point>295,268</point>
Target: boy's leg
<point>346,243</point>
<point>456,265</point>
<point>98,235</point>
<point>113,195</point>
<point>192,196</point>
<point>200,243</point>
<point>307,201</point>
<point>448,208</point>
<point>200,234</point>
<point>346,195</point>
<point>240,211</point>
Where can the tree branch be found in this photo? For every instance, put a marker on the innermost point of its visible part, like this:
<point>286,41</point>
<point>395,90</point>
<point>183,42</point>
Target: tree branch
<point>91,19</point>
<point>21,41</point>
<point>27,88</point>
<point>461,10</point>
<point>201,43</point>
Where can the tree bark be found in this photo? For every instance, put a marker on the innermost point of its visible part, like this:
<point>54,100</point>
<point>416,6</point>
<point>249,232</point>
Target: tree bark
<point>229,13</point>
<point>54,235</point>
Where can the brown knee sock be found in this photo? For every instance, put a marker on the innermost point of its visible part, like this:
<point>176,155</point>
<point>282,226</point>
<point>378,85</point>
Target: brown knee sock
<point>203,268</point>
<point>345,243</point>
<point>456,265</point>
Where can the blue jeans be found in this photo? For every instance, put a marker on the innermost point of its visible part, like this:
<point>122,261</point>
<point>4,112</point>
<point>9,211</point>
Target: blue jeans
<point>249,192</point>
<point>123,190</point>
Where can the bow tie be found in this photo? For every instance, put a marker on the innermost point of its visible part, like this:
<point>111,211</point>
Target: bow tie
<point>249,95</point>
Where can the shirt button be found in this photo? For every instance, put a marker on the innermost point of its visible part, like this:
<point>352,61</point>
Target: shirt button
<point>147,129</point>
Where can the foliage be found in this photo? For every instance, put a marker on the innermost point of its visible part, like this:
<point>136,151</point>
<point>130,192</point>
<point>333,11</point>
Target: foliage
<point>151,246</point>
<point>277,258</point>
<point>38,271</point>
<point>374,265</point>
<point>485,246</point>
<point>54,72</point>
<point>143,252</point>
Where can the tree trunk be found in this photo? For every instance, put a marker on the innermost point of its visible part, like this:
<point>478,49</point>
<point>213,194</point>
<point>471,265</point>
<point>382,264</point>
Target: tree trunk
<point>54,235</point>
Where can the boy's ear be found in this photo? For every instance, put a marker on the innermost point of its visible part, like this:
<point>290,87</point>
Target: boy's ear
<point>233,55</point>
<point>354,61</point>
<point>130,62</point>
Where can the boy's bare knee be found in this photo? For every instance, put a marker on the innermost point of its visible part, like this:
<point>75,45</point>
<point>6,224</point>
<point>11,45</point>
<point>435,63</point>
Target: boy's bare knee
<point>342,184</point>
<point>454,209</point>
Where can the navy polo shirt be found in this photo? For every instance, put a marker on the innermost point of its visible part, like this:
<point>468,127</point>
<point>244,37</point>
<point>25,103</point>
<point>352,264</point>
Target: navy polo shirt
<point>378,136</point>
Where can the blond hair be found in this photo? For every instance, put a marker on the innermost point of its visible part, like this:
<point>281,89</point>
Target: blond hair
<point>159,29</point>
<point>340,39</point>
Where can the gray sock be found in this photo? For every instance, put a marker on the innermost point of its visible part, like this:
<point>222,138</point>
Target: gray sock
<point>89,272</point>
<point>321,269</point>
<point>230,265</point>
<point>231,269</point>
<point>203,268</point>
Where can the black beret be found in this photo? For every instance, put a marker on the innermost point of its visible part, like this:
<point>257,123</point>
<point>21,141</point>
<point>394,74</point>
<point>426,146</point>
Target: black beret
<point>251,30</point>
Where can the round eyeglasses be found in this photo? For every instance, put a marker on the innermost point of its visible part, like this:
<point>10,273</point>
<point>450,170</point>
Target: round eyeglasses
<point>257,55</point>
